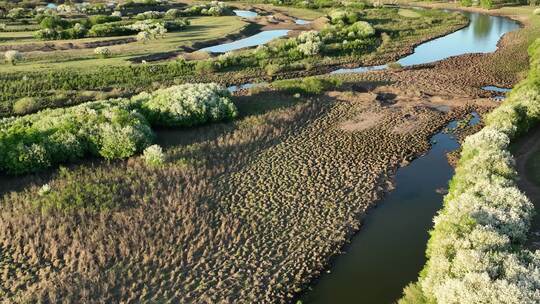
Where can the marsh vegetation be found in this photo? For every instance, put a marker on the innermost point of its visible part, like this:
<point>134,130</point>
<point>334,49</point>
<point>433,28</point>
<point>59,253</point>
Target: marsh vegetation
<point>130,173</point>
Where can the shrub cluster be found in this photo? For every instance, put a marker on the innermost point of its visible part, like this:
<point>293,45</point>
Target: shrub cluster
<point>346,33</point>
<point>187,105</point>
<point>54,27</point>
<point>37,141</point>
<point>149,15</point>
<point>110,29</point>
<point>331,41</point>
<point>476,254</point>
<point>214,8</point>
<point>308,85</point>
<point>116,128</point>
<point>102,51</point>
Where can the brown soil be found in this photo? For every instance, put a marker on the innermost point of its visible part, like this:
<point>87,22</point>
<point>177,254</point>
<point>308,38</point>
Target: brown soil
<point>526,148</point>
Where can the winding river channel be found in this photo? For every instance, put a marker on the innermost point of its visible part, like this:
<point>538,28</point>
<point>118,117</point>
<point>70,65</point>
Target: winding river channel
<point>389,250</point>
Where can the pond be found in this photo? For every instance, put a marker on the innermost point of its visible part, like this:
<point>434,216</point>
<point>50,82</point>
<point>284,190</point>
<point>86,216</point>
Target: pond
<point>301,21</point>
<point>501,92</point>
<point>496,89</point>
<point>255,40</point>
<point>245,14</point>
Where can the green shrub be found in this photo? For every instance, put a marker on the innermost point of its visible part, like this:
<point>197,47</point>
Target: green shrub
<point>205,66</point>
<point>54,22</point>
<point>487,4</point>
<point>394,66</point>
<point>466,3</point>
<point>97,193</point>
<point>308,85</point>
<point>272,69</point>
<point>25,105</point>
<point>173,13</point>
<point>100,19</point>
<point>37,141</point>
<point>110,29</point>
<point>344,17</point>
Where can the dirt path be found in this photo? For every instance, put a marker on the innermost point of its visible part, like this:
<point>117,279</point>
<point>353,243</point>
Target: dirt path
<point>526,148</point>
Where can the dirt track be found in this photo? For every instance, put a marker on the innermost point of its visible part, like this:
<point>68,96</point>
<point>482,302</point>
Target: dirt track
<point>526,148</point>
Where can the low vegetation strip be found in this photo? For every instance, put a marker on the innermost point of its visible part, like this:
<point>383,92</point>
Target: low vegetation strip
<point>476,253</point>
<point>115,128</point>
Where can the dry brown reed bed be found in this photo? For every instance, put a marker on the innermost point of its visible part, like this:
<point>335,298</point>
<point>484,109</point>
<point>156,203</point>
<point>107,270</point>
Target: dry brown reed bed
<point>243,212</point>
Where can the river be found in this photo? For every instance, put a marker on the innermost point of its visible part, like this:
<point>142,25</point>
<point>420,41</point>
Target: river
<point>389,250</point>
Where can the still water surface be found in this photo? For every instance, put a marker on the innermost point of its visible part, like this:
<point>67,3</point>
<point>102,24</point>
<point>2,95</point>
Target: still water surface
<point>255,40</point>
<point>480,36</point>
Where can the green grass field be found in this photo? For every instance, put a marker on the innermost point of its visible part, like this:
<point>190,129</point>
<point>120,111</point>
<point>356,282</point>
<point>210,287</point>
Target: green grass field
<point>201,29</point>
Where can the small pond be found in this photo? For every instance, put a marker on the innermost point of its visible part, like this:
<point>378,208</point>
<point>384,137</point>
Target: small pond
<point>301,21</point>
<point>496,89</point>
<point>245,14</point>
<point>255,40</point>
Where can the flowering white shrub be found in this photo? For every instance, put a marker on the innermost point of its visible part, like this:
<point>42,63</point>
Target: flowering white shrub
<point>153,28</point>
<point>116,14</point>
<point>102,51</point>
<point>13,56</point>
<point>187,104</point>
<point>68,9</point>
<point>154,156</point>
<point>3,26</point>
<point>44,190</point>
<point>16,13</point>
<point>214,8</point>
<point>144,37</point>
<point>310,43</point>
<point>149,15</point>
<point>476,254</point>
<point>360,29</point>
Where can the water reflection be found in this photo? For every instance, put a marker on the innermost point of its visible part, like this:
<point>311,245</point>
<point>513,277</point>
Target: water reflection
<point>245,14</point>
<point>255,40</point>
<point>481,36</point>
